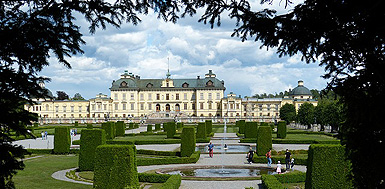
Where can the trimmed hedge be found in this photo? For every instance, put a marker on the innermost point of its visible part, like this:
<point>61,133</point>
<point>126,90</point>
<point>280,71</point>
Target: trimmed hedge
<point>120,128</point>
<point>209,126</point>
<point>136,125</point>
<point>169,160</point>
<point>201,130</point>
<point>241,124</point>
<point>36,124</point>
<point>173,182</point>
<point>291,177</point>
<point>264,142</point>
<point>251,129</point>
<point>90,126</point>
<point>115,167</point>
<point>281,129</point>
<point>170,129</point>
<point>286,141</point>
<point>76,124</point>
<point>62,140</point>
<point>89,141</point>
<point>50,151</point>
<point>157,127</point>
<point>188,141</point>
<point>264,124</point>
<point>109,128</point>
<point>149,127</point>
<point>271,182</point>
<point>179,125</point>
<point>153,177</point>
<point>130,125</point>
<point>160,153</point>
<point>327,167</point>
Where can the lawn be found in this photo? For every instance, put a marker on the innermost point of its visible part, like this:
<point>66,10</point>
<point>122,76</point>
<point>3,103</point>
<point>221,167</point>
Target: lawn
<point>141,137</point>
<point>37,172</point>
<point>307,137</point>
<point>230,129</point>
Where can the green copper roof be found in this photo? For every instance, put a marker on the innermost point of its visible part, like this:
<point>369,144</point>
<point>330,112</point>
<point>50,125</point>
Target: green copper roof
<point>300,90</point>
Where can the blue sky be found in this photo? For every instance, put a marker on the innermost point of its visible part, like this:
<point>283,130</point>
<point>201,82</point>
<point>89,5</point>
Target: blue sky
<point>192,49</point>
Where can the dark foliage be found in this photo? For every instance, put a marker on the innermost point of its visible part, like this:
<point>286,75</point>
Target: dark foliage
<point>288,113</point>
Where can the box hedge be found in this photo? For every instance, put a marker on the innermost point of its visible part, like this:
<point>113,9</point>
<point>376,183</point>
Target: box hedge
<point>136,125</point>
<point>130,125</point>
<point>76,124</point>
<point>251,129</point>
<point>281,129</point>
<point>120,128</point>
<point>188,141</point>
<point>179,125</point>
<point>201,130</point>
<point>157,127</point>
<point>90,126</point>
<point>291,177</point>
<point>149,127</point>
<point>173,182</point>
<point>115,167</point>
<point>36,124</point>
<point>109,128</point>
<point>327,167</point>
<point>169,160</point>
<point>209,126</point>
<point>263,124</point>
<point>62,140</point>
<point>271,182</point>
<point>241,124</point>
<point>170,129</point>
<point>153,177</point>
<point>89,141</point>
<point>264,142</point>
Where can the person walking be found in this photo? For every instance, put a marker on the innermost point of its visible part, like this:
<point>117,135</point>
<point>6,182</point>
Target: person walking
<point>211,149</point>
<point>268,156</point>
<point>42,135</point>
<point>279,167</point>
<point>250,155</point>
<point>287,159</point>
<point>46,135</point>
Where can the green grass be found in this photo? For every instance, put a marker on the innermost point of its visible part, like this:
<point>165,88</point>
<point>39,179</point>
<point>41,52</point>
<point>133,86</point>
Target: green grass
<point>294,185</point>
<point>307,137</point>
<point>141,137</point>
<point>37,172</point>
<point>229,129</point>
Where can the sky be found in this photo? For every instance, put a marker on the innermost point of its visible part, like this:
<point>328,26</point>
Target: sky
<point>189,48</point>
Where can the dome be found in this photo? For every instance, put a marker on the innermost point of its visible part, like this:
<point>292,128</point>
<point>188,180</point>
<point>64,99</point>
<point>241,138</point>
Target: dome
<point>300,90</point>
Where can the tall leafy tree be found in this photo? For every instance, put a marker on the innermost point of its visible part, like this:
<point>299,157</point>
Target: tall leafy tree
<point>61,95</point>
<point>305,114</point>
<point>288,113</point>
<point>78,96</point>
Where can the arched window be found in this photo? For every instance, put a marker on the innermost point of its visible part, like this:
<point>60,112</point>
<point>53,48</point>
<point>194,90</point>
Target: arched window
<point>185,85</point>
<point>157,107</point>
<point>167,107</point>
<point>209,84</point>
<point>123,84</point>
<point>149,85</point>
<point>177,108</point>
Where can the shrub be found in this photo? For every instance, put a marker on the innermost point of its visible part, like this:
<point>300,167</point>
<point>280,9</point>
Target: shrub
<point>157,127</point>
<point>90,126</point>
<point>271,182</point>
<point>107,126</point>
<point>241,124</point>
<point>179,125</point>
<point>160,153</point>
<point>130,125</point>
<point>281,129</point>
<point>36,124</point>
<point>291,177</point>
<point>251,130</point>
<point>327,167</point>
<point>136,125</point>
<point>170,129</point>
<point>264,142</point>
<point>153,177</point>
<point>113,128</point>
<point>188,141</point>
<point>62,140</point>
<point>201,130</point>
<point>76,124</point>
<point>264,124</point>
<point>115,167</point>
<point>209,126</point>
<point>149,127</point>
<point>173,182</point>
<point>120,128</point>
<point>89,140</point>
<point>169,160</point>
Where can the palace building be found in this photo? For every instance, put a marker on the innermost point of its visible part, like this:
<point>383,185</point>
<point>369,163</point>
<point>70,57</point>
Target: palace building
<point>134,98</point>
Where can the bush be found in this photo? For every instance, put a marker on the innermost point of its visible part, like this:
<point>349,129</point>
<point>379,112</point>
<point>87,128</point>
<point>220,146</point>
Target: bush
<point>149,127</point>
<point>89,140</point>
<point>264,124</point>
<point>271,182</point>
<point>264,142</point>
<point>159,153</point>
<point>115,167</point>
<point>188,141</point>
<point>170,129</point>
<point>76,124</point>
<point>130,125</point>
<point>209,126</point>
<point>173,182</point>
<point>179,125</point>
<point>120,128</point>
<point>62,140</point>
<point>327,167</point>
<point>241,124</point>
<point>281,129</point>
<point>90,126</point>
<point>169,160</point>
<point>157,127</point>
<point>201,130</point>
<point>109,128</point>
<point>153,177</point>
<point>251,129</point>
<point>136,125</point>
<point>291,177</point>
<point>36,124</point>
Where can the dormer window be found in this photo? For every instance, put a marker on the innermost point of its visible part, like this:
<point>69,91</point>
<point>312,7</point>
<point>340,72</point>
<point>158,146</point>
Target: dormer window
<point>185,85</point>
<point>123,84</point>
<point>149,85</point>
<point>209,84</point>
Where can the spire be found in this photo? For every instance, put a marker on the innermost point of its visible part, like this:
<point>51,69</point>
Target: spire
<point>168,68</point>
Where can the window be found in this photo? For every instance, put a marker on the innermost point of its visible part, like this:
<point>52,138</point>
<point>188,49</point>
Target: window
<point>149,106</point>
<point>167,97</point>
<point>201,96</point>
<point>157,96</point>
<point>46,107</point>
<point>210,84</point>
<point>80,108</point>
<point>123,106</point>
<point>185,106</point>
<point>237,106</point>
<point>210,105</point>
<point>276,107</point>
<point>268,107</point>
<point>149,96</point>
<point>141,106</point>
<point>231,106</point>
<point>64,108</point>
<point>116,106</point>
<point>99,107</point>
<point>177,96</point>
<point>132,106</point>
<point>104,106</point>
<point>225,106</point>
<point>57,109</point>
<point>193,106</point>
<point>245,107</point>
<point>185,85</point>
<point>132,96</point>
<point>218,96</point>
<point>123,96</point>
<point>141,96</point>
<point>201,105</point>
<point>193,96</point>
<point>123,84</point>
<point>149,85</point>
<point>115,96</point>
<point>185,96</point>
<point>260,107</point>
<point>210,96</point>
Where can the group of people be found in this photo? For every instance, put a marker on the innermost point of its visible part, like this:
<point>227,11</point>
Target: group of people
<point>73,132</point>
<point>289,162</point>
<point>44,135</point>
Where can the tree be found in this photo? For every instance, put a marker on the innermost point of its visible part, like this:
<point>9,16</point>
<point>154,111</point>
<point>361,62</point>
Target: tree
<point>305,114</point>
<point>288,113</point>
<point>77,96</point>
<point>61,95</point>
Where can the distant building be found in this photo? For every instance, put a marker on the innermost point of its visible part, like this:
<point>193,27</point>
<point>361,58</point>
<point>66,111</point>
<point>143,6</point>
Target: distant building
<point>136,98</point>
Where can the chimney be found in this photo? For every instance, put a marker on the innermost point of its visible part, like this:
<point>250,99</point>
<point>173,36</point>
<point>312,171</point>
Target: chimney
<point>198,77</point>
